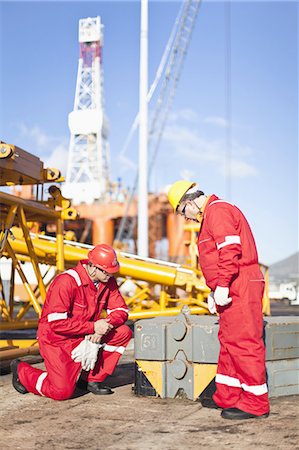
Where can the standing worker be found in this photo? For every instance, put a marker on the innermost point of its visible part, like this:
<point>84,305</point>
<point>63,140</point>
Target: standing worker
<point>71,332</point>
<point>229,262</point>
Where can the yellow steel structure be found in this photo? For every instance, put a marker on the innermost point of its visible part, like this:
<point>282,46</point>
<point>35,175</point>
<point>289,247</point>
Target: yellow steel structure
<point>156,287</point>
<point>160,288</point>
<point>18,167</point>
<point>17,211</point>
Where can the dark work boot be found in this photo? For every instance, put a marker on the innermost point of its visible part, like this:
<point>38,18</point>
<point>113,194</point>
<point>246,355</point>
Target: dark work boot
<point>208,402</point>
<point>15,377</point>
<point>98,388</point>
<point>238,414</point>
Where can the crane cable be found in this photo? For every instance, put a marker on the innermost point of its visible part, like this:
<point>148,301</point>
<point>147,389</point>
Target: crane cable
<point>181,41</point>
<point>156,80</point>
<point>174,70</point>
<point>135,124</point>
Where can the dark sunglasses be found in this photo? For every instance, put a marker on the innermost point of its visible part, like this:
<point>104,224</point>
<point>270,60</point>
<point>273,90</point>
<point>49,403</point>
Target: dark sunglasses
<point>184,209</point>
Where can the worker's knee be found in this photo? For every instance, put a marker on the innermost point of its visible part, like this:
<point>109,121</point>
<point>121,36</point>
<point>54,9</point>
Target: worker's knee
<point>63,393</point>
<point>124,332</point>
<point>127,331</point>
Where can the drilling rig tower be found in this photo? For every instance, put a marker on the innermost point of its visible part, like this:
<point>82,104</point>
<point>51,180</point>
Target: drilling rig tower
<point>87,177</point>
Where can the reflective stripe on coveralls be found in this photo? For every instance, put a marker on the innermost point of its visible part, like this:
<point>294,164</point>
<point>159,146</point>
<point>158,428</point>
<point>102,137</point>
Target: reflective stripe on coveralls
<point>109,311</point>
<point>112,348</point>
<point>228,258</point>
<point>63,316</point>
<point>39,383</point>
<point>231,381</point>
<point>57,341</point>
<point>51,318</point>
<point>228,240</point>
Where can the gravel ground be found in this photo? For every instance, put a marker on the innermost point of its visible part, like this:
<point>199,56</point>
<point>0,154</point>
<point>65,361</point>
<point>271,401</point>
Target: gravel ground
<point>124,421</point>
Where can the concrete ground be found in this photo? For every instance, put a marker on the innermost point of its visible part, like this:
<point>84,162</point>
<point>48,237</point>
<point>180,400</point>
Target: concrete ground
<point>124,421</point>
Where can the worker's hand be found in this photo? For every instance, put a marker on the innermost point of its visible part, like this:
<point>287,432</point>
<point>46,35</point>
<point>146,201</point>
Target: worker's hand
<point>95,338</point>
<point>86,353</point>
<point>221,296</point>
<point>211,303</point>
<point>90,356</point>
<point>78,352</point>
<point>102,327</point>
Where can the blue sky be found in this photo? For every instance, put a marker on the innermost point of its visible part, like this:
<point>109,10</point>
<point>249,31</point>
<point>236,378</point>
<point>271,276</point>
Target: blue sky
<point>39,57</point>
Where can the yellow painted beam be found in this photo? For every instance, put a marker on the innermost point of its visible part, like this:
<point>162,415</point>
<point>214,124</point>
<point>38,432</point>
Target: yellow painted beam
<point>18,325</point>
<point>153,372</point>
<point>20,343</point>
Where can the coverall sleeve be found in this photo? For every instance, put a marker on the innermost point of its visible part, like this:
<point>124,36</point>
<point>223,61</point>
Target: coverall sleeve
<point>60,295</point>
<point>117,310</point>
<point>223,226</point>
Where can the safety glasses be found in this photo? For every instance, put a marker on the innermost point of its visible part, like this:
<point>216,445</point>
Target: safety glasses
<point>103,272</point>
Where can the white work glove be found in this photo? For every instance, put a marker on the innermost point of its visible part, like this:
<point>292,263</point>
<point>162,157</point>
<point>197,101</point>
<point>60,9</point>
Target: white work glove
<point>86,353</point>
<point>78,352</point>
<point>211,303</point>
<point>221,296</point>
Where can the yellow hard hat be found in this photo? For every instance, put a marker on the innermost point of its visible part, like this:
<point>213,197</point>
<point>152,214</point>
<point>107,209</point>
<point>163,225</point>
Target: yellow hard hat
<point>177,192</point>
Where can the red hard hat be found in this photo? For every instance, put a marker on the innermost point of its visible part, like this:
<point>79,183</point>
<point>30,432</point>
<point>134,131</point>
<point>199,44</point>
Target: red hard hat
<point>104,257</point>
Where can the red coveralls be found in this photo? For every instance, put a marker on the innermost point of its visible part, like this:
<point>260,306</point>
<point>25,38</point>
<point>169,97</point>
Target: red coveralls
<point>72,306</point>
<point>228,258</point>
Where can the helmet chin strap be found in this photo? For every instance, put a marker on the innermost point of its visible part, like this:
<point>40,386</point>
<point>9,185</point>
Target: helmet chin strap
<point>91,274</point>
<point>199,215</point>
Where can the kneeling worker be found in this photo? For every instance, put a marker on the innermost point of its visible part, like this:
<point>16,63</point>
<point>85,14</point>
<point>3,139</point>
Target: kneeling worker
<point>229,262</point>
<point>71,334</point>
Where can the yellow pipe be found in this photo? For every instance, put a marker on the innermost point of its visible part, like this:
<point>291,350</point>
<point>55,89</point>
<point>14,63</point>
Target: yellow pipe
<point>59,246</point>
<point>147,271</point>
<point>165,312</point>
<point>27,286</point>
<point>32,254</point>
<point>11,291</point>
<point>266,299</point>
<point>137,269</point>
<point>20,343</point>
<point>18,352</point>
<point>3,310</point>
<point>23,311</point>
<point>151,271</point>
<point>163,298</point>
<point>20,247</point>
<point>20,325</point>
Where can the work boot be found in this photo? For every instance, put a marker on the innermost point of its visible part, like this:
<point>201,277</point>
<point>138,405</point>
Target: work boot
<point>208,402</point>
<point>98,388</point>
<point>238,414</point>
<point>15,377</point>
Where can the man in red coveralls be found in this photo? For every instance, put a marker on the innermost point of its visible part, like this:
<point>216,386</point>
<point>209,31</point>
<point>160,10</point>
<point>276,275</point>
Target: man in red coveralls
<point>229,262</point>
<point>71,322</point>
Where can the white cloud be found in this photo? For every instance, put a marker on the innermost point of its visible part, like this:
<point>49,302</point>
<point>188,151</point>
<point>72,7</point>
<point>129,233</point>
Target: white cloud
<point>240,169</point>
<point>189,145</point>
<point>187,174</point>
<point>216,120</point>
<point>184,115</point>
<point>37,135</point>
<point>52,150</point>
<point>58,159</point>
